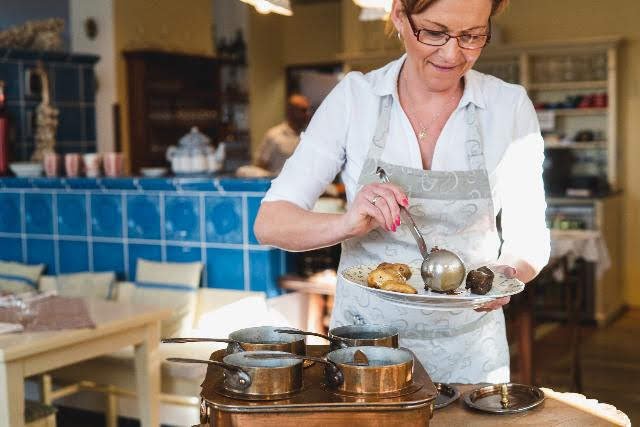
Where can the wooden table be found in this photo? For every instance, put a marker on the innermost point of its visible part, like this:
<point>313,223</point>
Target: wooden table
<point>552,412</point>
<point>117,325</point>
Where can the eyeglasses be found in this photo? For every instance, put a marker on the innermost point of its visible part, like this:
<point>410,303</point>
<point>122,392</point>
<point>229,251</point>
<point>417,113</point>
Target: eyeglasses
<point>440,38</point>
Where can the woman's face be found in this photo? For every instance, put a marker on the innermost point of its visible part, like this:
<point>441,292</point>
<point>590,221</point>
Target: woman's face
<point>442,67</point>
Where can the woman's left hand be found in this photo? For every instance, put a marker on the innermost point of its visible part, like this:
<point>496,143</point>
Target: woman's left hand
<point>510,273</point>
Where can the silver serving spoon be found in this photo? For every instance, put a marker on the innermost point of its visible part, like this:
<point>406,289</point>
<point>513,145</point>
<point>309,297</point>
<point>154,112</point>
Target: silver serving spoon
<point>441,270</point>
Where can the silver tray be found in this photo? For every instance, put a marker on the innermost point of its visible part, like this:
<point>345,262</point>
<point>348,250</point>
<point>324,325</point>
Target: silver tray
<point>447,394</point>
<point>520,398</point>
<point>460,299</point>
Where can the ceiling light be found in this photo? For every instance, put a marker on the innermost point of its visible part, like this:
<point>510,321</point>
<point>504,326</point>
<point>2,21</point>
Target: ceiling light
<point>375,4</point>
<point>282,7</point>
<point>373,14</point>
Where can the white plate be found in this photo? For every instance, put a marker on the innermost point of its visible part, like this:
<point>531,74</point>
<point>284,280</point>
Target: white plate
<point>501,287</point>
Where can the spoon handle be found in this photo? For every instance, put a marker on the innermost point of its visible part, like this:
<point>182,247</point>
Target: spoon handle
<point>407,219</point>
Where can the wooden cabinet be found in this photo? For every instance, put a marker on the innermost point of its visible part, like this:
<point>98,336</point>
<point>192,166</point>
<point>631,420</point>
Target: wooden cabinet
<point>168,94</point>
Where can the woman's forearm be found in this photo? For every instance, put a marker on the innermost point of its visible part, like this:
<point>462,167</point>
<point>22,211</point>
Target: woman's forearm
<point>287,226</point>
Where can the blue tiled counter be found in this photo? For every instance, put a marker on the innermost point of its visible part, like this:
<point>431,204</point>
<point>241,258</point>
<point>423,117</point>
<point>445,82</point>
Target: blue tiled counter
<point>85,224</point>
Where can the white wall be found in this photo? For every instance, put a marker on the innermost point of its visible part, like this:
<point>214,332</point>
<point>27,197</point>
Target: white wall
<point>103,45</point>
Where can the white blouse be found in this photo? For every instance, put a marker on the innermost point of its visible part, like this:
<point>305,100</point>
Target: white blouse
<point>338,137</point>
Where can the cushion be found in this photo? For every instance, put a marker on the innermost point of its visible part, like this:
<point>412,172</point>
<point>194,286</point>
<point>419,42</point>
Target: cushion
<point>17,278</point>
<point>88,285</point>
<point>169,285</point>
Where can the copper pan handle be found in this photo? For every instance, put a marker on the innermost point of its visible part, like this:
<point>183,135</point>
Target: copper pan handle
<point>235,347</point>
<point>237,377</point>
<point>333,373</point>
<point>335,340</point>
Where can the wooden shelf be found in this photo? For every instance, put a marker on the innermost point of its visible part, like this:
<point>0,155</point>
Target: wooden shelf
<point>574,145</point>
<point>560,86</point>
<point>575,112</point>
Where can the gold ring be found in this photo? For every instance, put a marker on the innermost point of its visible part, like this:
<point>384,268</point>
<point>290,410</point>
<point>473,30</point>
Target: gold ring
<point>375,199</point>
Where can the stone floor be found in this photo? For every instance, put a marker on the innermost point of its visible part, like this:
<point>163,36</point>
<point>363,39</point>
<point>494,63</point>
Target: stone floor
<point>610,367</point>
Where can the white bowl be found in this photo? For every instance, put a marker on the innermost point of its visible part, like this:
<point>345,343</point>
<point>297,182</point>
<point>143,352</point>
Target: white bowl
<point>153,172</point>
<point>26,169</point>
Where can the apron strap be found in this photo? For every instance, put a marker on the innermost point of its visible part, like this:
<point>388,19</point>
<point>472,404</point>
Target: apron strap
<point>473,145</point>
<point>382,129</point>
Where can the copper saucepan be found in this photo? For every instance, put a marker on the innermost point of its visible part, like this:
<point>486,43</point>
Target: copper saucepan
<point>255,339</point>
<point>354,336</point>
<point>266,373</point>
<point>365,370</point>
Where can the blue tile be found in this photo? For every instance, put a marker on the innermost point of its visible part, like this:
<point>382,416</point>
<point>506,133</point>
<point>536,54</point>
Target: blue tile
<point>89,82</point>
<point>69,124</point>
<point>118,183</point>
<point>66,84</point>
<point>89,124</point>
<point>10,74</point>
<point>158,184</point>
<point>38,215</point>
<point>223,219</point>
<point>197,184</point>
<point>55,183</point>
<point>10,212</point>
<point>74,256</point>
<point>109,257</point>
<point>245,184</point>
<point>11,249</point>
<point>72,214</point>
<point>148,252</point>
<point>81,183</point>
<point>182,218</point>
<point>183,253</point>
<point>225,269</point>
<point>253,204</point>
<point>40,251</point>
<point>16,183</point>
<point>15,124</point>
<point>106,215</point>
<point>265,270</point>
<point>143,216</point>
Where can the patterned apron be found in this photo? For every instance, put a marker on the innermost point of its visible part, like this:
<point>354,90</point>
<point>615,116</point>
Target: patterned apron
<point>454,210</point>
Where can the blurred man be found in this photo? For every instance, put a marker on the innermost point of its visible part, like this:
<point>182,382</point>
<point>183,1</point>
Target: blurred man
<point>280,141</point>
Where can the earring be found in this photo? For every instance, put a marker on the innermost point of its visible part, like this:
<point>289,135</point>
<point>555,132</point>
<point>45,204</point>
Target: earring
<point>399,36</point>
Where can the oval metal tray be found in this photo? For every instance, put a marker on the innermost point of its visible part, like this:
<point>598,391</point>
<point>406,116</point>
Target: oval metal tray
<point>488,398</point>
<point>447,394</point>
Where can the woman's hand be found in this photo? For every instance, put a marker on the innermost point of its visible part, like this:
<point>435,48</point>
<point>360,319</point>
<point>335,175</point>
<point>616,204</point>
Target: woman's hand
<point>510,273</point>
<point>375,205</point>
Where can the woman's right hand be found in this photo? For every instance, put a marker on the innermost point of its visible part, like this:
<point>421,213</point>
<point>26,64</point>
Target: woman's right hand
<point>375,205</point>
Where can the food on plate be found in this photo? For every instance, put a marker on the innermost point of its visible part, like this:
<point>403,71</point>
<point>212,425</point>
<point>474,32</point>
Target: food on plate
<point>398,267</point>
<point>381,275</point>
<point>479,281</point>
<point>398,286</point>
<point>391,277</point>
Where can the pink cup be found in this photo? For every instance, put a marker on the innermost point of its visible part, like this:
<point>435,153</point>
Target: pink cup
<point>51,164</point>
<point>72,164</point>
<point>113,164</point>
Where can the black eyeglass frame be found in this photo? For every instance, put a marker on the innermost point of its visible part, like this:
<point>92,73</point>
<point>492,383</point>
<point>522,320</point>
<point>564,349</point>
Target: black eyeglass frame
<point>416,33</point>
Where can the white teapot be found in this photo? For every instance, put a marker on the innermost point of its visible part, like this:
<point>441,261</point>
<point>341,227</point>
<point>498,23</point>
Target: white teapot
<point>194,155</point>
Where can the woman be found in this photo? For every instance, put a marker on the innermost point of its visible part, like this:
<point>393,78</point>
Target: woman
<point>459,147</point>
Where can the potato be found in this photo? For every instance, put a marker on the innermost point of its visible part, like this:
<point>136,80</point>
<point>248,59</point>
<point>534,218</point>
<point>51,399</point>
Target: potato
<point>380,275</point>
<point>398,286</point>
<point>402,269</point>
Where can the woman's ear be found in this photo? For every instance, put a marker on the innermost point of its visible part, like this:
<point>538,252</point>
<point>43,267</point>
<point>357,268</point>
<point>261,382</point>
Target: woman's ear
<point>397,15</point>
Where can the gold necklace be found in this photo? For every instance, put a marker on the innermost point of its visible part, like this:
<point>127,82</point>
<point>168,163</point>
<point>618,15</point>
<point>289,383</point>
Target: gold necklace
<point>423,133</point>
